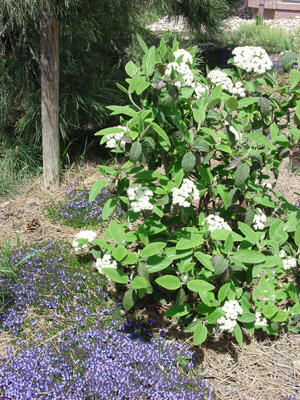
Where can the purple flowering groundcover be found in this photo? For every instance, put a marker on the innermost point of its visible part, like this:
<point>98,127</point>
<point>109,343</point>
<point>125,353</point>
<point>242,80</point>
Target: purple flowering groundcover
<point>93,355</point>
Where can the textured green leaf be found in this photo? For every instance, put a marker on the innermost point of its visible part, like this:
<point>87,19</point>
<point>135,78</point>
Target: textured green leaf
<point>109,208</point>
<point>242,173</point>
<point>96,189</point>
<point>116,274</point>
<point>198,285</point>
<point>188,162</point>
<point>129,299</point>
<point>238,334</point>
<point>139,283</point>
<point>200,335</point>
<point>135,151</point>
<point>153,249</point>
<point>178,310</point>
<point>169,282</point>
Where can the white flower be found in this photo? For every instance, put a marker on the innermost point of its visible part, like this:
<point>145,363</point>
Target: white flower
<point>186,194</point>
<point>267,185</point>
<point>232,309</point>
<point>199,89</point>
<point>117,140</point>
<point>252,59</point>
<point>88,235</point>
<point>216,222</point>
<point>184,56</point>
<point>105,262</point>
<point>282,253</point>
<point>185,75</point>
<point>259,321</point>
<point>259,220</point>
<point>226,324</point>
<point>140,198</point>
<point>218,77</point>
<point>289,262</point>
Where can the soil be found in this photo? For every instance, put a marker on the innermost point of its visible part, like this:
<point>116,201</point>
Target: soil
<point>262,369</point>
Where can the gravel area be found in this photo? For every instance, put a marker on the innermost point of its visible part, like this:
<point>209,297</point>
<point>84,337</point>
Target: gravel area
<point>232,23</point>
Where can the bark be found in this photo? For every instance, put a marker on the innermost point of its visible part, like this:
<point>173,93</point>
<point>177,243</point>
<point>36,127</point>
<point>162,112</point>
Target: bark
<point>50,98</point>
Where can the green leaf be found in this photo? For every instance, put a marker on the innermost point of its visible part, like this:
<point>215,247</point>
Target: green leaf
<point>131,69</point>
<point>178,310</point>
<point>242,173</point>
<point>249,256</point>
<point>247,317</point>
<point>238,334</point>
<point>158,263</point>
<point>149,62</point>
<point>126,110</point>
<point>184,244</point>
<point>220,264</point>
<point>141,85</point>
<point>116,274</point>
<point>222,293</point>
<point>129,299</point>
<point>188,162</point>
<point>213,317</point>
<point>205,260</point>
<point>294,78</point>
<point>135,151</point>
<point>249,233</point>
<point>142,43</point>
<point>247,101</point>
<point>139,283</point>
<point>193,325</point>
<point>108,208</point>
<point>130,259</point>
<point>222,234</point>
<point>277,232</point>
<point>169,282</point>
<point>232,103</point>
<point>265,106</point>
<point>119,253</point>
<point>200,335</point>
<point>116,231</point>
<point>297,235</point>
<point>280,316</point>
<point>153,249</point>
<point>96,189</point>
<point>198,285</point>
<point>164,140</point>
<point>269,310</point>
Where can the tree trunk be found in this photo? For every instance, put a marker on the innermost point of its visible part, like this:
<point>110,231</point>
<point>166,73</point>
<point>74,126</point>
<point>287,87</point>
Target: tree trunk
<point>49,98</point>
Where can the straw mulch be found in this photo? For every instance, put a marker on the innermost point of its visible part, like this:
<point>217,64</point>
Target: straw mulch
<point>263,369</point>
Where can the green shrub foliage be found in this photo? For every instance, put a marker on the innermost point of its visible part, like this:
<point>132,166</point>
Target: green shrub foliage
<point>206,230</point>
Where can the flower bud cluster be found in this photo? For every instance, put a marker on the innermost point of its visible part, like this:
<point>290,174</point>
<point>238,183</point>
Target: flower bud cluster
<point>216,222</point>
<point>260,321</point>
<point>288,262</point>
<point>218,77</point>
<point>232,309</point>
<point>252,59</point>
<point>117,140</point>
<point>186,194</point>
<point>88,235</point>
<point>105,262</point>
<point>184,56</point>
<point>140,198</point>
<point>259,220</point>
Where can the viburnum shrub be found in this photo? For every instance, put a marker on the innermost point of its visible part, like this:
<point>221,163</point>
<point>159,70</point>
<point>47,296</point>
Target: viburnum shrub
<point>206,232</point>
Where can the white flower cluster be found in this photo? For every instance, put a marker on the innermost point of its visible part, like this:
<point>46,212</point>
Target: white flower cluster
<point>88,235</point>
<point>216,222</point>
<point>232,310</point>
<point>186,194</point>
<point>105,262</point>
<point>140,198</point>
<point>260,321</point>
<point>182,67</point>
<point>117,140</point>
<point>199,89</point>
<point>288,262</point>
<point>259,220</point>
<point>187,77</point>
<point>252,59</point>
<point>218,77</point>
<point>184,56</point>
